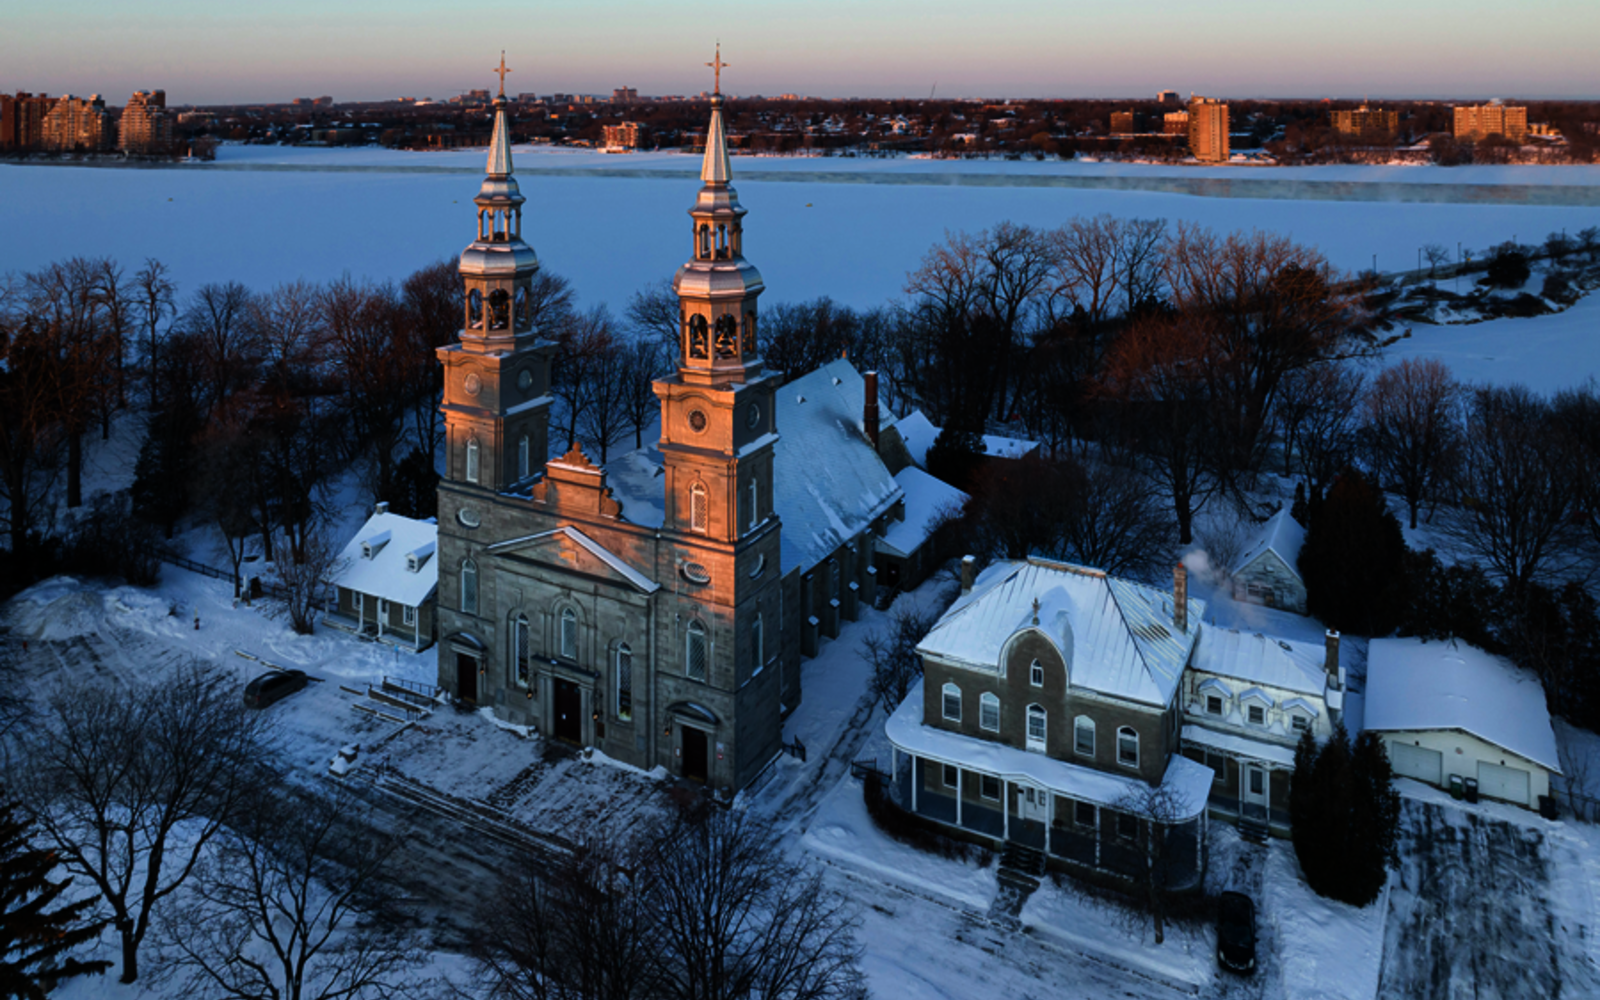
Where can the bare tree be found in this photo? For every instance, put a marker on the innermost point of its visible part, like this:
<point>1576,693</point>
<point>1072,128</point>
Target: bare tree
<point>293,903</point>
<point>1517,494</point>
<point>892,651</point>
<point>1140,253</point>
<point>736,919</point>
<point>1435,255</point>
<point>376,364</point>
<point>1412,427</point>
<point>1168,855</point>
<point>1319,416</point>
<point>30,436</point>
<point>131,785</point>
<point>222,321</point>
<point>303,579</point>
<point>653,315</point>
<point>641,365</point>
<point>288,320</point>
<point>154,300</point>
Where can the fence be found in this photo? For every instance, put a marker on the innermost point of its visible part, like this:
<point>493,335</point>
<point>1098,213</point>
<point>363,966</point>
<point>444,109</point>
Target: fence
<point>253,584</point>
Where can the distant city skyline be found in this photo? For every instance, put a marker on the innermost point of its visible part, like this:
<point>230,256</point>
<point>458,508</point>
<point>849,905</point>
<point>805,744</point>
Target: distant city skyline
<point>223,52</point>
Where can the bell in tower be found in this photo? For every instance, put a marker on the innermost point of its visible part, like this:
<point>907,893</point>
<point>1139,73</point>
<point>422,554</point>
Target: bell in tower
<point>717,288</point>
<point>497,377</point>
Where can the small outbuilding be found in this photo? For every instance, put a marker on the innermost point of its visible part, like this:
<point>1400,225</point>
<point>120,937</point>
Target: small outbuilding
<point>1268,572</point>
<point>1446,709</point>
<point>386,580</point>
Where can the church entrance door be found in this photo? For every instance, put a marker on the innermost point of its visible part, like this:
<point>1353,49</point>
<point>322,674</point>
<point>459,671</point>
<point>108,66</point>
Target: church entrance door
<point>466,677</point>
<point>694,754</point>
<point>568,708</point>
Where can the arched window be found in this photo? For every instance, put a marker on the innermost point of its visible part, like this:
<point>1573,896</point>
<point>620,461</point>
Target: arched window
<point>520,306</point>
<point>989,713</point>
<point>472,460</point>
<point>1083,735</point>
<point>749,332</point>
<point>569,634</point>
<point>469,587</point>
<point>951,702</point>
<point>1036,674</point>
<point>695,657</point>
<point>758,644</point>
<point>753,497</point>
<point>704,250</point>
<point>699,514</point>
<point>521,653</point>
<point>522,457</point>
<point>1036,727</point>
<point>475,308</point>
<point>624,682</point>
<point>699,337</point>
<point>499,309</point>
<point>1127,747</point>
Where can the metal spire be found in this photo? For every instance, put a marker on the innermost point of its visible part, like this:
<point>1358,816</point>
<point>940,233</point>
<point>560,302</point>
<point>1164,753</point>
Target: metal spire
<point>716,169</point>
<point>500,141</point>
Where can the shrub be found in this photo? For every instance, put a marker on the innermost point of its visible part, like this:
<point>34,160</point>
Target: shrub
<point>1345,814</point>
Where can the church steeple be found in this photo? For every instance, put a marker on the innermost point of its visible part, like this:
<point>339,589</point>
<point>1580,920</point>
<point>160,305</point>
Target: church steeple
<point>498,268</point>
<point>717,288</point>
<point>497,378</point>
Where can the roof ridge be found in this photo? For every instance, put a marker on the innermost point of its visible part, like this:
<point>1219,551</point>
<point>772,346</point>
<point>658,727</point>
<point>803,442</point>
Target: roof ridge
<point>1127,626</point>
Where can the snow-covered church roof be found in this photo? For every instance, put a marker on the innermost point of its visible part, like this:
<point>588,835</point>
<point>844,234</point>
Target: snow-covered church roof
<point>828,483</point>
<point>1448,684</point>
<point>391,557</point>
<point>1117,637</point>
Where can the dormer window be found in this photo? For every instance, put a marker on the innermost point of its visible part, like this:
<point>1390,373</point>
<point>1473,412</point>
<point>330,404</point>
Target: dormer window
<point>372,546</point>
<point>1213,704</point>
<point>1257,715</point>
<point>1299,723</point>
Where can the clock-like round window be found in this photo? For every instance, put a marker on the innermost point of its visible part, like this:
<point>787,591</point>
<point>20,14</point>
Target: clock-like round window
<point>472,384</point>
<point>752,416</point>
<point>468,517</point>
<point>696,573</point>
<point>525,380</point>
<point>697,421</point>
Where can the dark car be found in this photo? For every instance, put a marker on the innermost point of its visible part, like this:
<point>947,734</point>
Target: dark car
<point>1236,932</point>
<point>276,686</point>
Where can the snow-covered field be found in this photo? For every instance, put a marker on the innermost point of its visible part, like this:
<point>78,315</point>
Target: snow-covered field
<point>848,228</point>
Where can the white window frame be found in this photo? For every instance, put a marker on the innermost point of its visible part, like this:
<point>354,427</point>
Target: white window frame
<point>754,495</point>
<point>1036,674</point>
<point>1126,733</point>
<point>989,712</point>
<point>945,694</point>
<point>1299,722</point>
<point>472,460</point>
<point>1250,714</point>
<point>1036,712</point>
<point>946,773</point>
<point>469,587</point>
<point>983,787</point>
<point>568,637</point>
<point>408,614</point>
<point>1222,705</point>
<point>622,672</point>
<point>1081,725</point>
<point>695,636</point>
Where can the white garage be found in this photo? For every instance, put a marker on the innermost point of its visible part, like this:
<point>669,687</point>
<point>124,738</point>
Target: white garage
<point>1446,709</point>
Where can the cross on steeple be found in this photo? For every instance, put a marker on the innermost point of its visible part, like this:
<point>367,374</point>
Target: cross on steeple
<point>717,66</point>
<point>501,69</point>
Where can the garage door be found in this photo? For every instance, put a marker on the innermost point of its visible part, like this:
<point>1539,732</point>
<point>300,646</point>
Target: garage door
<point>1506,783</point>
<point>1417,762</point>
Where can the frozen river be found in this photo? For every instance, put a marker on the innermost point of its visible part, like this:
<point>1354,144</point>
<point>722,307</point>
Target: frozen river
<point>844,227</point>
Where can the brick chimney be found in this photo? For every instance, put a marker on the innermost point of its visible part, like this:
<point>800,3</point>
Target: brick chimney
<point>869,416</point>
<point>1331,657</point>
<point>1180,598</point>
<point>969,566</point>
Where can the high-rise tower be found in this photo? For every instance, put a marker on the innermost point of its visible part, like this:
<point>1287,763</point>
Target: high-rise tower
<point>497,377</point>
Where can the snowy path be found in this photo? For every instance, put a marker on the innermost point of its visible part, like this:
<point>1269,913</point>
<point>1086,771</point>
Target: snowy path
<point>1472,914</point>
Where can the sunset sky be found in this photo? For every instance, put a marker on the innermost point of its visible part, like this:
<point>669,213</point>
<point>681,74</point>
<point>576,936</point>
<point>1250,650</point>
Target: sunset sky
<point>222,51</point>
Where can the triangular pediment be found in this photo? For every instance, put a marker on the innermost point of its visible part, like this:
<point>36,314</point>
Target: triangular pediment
<point>569,549</point>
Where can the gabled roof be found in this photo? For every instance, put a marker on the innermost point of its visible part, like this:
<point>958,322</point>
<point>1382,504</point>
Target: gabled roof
<point>1280,535</point>
<point>615,562</point>
<point>385,574</point>
<point>919,433</point>
<point>1118,637</point>
<point>1413,684</point>
<point>1261,659</point>
<point>828,482</point>
<point>927,501</point>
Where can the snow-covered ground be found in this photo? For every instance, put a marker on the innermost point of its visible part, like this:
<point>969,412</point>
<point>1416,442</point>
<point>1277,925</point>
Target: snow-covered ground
<point>849,228</point>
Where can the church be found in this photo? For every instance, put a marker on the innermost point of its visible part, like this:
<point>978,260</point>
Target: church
<point>656,609</point>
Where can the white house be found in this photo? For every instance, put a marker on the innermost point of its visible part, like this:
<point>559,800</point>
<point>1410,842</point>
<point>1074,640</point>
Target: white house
<point>386,579</point>
<point>1247,698</point>
<point>1447,709</point>
<point>1268,571</point>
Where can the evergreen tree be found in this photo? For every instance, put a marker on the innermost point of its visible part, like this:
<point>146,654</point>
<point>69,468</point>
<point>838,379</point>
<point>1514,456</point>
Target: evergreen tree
<point>1303,800</point>
<point>1346,815</point>
<point>34,937</point>
<point>955,457</point>
<point>1372,833</point>
<point>1352,559</point>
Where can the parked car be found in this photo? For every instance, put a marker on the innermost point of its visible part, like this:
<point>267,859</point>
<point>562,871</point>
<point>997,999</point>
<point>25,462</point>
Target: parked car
<point>1236,932</point>
<point>276,686</point>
